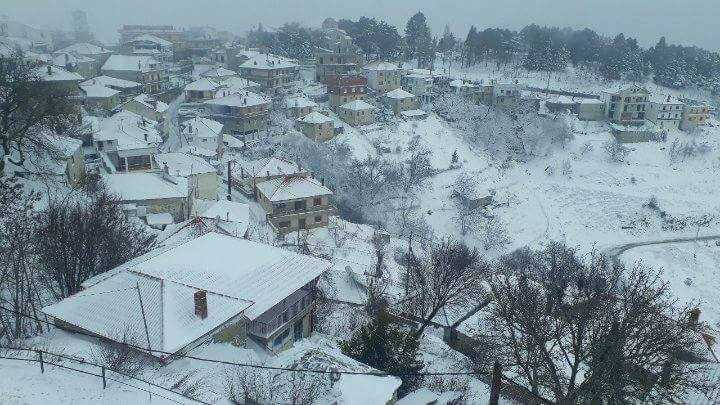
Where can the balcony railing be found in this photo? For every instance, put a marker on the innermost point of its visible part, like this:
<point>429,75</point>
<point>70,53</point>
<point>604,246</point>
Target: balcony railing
<point>289,212</point>
<point>266,328</point>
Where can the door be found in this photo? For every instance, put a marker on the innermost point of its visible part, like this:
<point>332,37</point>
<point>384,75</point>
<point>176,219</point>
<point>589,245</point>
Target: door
<point>298,330</point>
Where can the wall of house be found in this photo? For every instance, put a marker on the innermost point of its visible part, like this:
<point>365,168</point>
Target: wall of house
<point>235,333</point>
<point>204,186</point>
<point>177,207</point>
<point>320,132</point>
<point>400,105</point>
<point>591,111</point>
<point>357,118</point>
<point>383,81</point>
<point>142,110</point>
<point>315,216</point>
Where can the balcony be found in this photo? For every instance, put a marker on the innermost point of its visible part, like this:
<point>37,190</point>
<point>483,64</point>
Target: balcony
<point>280,315</point>
<point>289,211</point>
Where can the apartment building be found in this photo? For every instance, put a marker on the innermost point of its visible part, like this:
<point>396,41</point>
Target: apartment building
<point>627,105</point>
<point>273,73</point>
<point>382,76</point>
<point>292,203</point>
<point>342,58</point>
<point>665,111</point>
<point>142,69</point>
<point>345,89</point>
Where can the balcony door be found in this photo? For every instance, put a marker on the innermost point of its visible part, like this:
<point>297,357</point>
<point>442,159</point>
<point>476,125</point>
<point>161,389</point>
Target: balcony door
<point>298,330</point>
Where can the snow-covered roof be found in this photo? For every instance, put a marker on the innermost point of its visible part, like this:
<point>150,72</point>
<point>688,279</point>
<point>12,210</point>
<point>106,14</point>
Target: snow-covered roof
<point>380,65</point>
<point>151,103</point>
<point>50,73</point>
<point>238,275</point>
<point>358,389</point>
<point>246,99</point>
<point>203,84</point>
<point>399,94</point>
<point>64,145</point>
<point>268,62</point>
<point>201,127</point>
<point>236,84</point>
<point>230,216</point>
<point>299,102</point>
<point>97,91</point>
<point>180,164</point>
<point>143,186</point>
<point>666,99</point>
<point>64,59</point>
<point>111,82</point>
<point>292,188</point>
<point>130,130</point>
<point>413,113</point>
<point>315,118</point>
<point>358,105</point>
<point>272,166</point>
<point>626,88</point>
<point>132,63</point>
<point>151,38</point>
<point>218,72</point>
<point>84,48</point>
<point>162,218</point>
<point>424,396</point>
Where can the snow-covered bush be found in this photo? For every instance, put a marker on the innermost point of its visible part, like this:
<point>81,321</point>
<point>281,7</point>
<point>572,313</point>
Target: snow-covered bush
<point>616,151</point>
<point>679,151</point>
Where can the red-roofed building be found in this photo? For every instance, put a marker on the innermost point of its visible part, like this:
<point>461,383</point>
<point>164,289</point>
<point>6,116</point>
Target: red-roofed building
<point>344,89</point>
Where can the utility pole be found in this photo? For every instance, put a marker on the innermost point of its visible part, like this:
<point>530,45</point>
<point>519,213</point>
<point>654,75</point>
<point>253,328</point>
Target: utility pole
<point>495,386</point>
<point>229,182</point>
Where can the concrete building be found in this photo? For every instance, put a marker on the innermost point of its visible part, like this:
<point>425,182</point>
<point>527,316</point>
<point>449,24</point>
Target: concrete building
<point>148,44</point>
<point>665,111</point>
<point>342,58</point>
<point>147,106</point>
<point>247,175</point>
<point>627,105</point>
<point>240,113</point>
<point>202,178</point>
<point>419,84</point>
<point>400,100</point>
<point>82,65</point>
<point>96,53</point>
<point>694,115</point>
<point>97,96</point>
<point>142,69</point>
<point>316,126</point>
<point>203,133</point>
<point>382,76</point>
<point>357,113</point>
<point>299,106</point>
<point>273,73</point>
<point>126,142</point>
<point>150,193</point>
<point>344,89</point>
<point>293,203</point>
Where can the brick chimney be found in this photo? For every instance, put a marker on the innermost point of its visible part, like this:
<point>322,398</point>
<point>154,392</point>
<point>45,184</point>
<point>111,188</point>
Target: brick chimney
<point>201,303</point>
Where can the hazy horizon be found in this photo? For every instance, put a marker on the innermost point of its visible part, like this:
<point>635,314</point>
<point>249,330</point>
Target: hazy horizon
<point>645,20</point>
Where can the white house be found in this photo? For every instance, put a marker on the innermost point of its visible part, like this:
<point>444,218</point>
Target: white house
<point>203,133</point>
<point>214,287</point>
<point>202,178</point>
<point>382,76</point>
<point>147,193</point>
<point>665,110</point>
<point>247,175</point>
<point>127,142</point>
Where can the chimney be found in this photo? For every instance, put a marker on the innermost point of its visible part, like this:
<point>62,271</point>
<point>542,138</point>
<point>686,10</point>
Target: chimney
<point>145,136</point>
<point>268,173</point>
<point>201,303</point>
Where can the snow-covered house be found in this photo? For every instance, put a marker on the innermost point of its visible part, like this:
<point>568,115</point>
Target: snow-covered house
<point>84,66</point>
<point>127,141</point>
<point>147,106</point>
<point>295,202</point>
<point>383,76</point>
<point>97,53</point>
<point>214,287</point>
<point>247,175</point>
<point>299,106</point>
<point>201,177</point>
<point>695,114</point>
<point>341,58</point>
<point>665,111</point>
<point>99,96</point>
<point>241,113</point>
<point>357,113</point>
<point>271,71</point>
<point>400,100</point>
<point>61,157</point>
<point>137,68</point>
<point>316,126</point>
<point>59,80</point>
<point>125,87</point>
<point>218,73</point>
<point>148,44</point>
<point>148,193</point>
<point>203,133</point>
<point>345,89</point>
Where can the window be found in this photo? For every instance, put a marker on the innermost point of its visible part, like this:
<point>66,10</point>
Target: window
<point>284,224</point>
<point>318,219</point>
<point>317,201</point>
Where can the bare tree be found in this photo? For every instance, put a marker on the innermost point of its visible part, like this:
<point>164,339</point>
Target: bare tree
<point>80,237</point>
<point>119,356</point>
<point>590,332</point>
<point>258,386</point>
<point>464,195</point>
<point>29,109</point>
<point>450,278</point>
<point>19,285</point>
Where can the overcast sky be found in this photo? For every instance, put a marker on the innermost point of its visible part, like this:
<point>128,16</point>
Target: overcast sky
<point>686,22</point>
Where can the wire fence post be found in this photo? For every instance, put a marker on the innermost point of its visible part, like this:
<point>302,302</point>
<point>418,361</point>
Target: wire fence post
<point>103,377</point>
<point>495,387</point>
<point>42,365</point>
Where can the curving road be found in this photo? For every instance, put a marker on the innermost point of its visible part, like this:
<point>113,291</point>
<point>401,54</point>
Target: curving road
<point>615,252</point>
